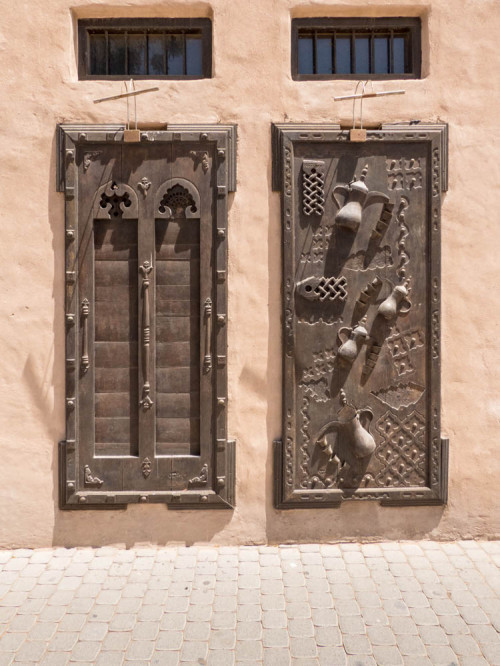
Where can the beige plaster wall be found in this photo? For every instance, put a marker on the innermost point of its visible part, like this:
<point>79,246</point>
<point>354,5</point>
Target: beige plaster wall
<point>252,87</point>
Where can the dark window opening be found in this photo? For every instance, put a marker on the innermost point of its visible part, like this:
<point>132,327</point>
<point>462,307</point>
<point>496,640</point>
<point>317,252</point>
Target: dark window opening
<point>355,48</point>
<point>145,48</point>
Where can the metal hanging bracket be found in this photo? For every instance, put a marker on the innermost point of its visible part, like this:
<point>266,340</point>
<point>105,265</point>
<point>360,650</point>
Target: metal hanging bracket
<point>358,134</point>
<point>129,135</point>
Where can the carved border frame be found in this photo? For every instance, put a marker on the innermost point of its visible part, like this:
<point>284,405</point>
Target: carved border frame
<point>219,492</point>
<point>286,494</point>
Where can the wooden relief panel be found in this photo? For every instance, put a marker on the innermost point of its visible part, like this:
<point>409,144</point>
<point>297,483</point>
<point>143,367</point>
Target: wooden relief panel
<point>146,317</point>
<point>361,316</point>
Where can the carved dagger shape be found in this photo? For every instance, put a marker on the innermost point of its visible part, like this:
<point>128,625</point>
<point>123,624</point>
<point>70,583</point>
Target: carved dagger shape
<point>356,197</point>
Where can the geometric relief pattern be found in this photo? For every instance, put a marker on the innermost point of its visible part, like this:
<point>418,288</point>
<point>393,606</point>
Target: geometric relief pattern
<point>402,453</point>
<point>402,345</point>
<point>313,183</point>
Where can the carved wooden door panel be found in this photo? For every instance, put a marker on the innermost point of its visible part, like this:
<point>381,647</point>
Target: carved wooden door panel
<point>361,317</point>
<point>146,317</point>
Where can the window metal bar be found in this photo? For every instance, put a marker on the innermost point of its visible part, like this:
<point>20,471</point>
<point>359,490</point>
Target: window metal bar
<point>315,59</point>
<point>353,53</point>
<point>371,49</point>
<point>165,55</point>
<point>107,53</point>
<point>391,52</point>
<point>334,53</point>
<point>126,52</point>
<point>184,54</point>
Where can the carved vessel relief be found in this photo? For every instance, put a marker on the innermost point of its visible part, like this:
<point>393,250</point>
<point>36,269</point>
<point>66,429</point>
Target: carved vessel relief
<point>345,444</point>
<point>313,187</point>
<point>356,196</point>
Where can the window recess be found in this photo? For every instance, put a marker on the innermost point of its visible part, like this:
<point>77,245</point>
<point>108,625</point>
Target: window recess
<point>145,48</point>
<point>327,48</point>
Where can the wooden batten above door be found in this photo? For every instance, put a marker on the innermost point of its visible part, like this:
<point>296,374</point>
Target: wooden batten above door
<point>146,312</point>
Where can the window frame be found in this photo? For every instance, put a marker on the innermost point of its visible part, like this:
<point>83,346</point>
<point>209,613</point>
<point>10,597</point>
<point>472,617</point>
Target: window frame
<point>412,24</point>
<point>204,25</point>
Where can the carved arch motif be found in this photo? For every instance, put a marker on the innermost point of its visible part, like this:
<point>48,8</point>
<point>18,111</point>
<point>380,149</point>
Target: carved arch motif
<point>177,194</point>
<point>114,200</point>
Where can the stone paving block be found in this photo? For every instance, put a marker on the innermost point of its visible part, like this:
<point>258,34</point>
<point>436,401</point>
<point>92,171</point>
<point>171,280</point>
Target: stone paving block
<point>220,658</point>
<point>485,633</point>
<point>222,639</point>
<point>270,602</point>
<point>352,624</point>
<point>491,652</point>
<point>274,619</point>
<point>411,645</point>
<point>424,616</point>
<point>323,617</point>
<point>373,617</point>
<point>272,586</point>
<point>277,657</point>
<point>443,607</point>
<point>356,644</point>
<point>169,640</point>
<point>433,635</point>
<point>387,656</point>
<point>116,641</point>
<point>464,646</point>
<point>368,599</point>
<point>298,609</point>
<point>63,641</point>
<point>360,660</point>
<point>222,619</point>
<point>12,642</point>
<point>31,652</point>
<point>43,631</point>
<point>473,615</point>
<point>275,638</point>
<point>303,647</point>
<point>140,650</point>
<point>52,659</point>
<point>441,655</point>
<point>327,636</point>
<point>473,661</point>
<point>197,631</point>
<point>128,605</point>
<point>110,659</point>
<point>342,591</point>
<point>85,651</point>
<point>22,623</point>
<point>249,650</point>
<point>403,625</point>
<point>347,607</point>
<point>301,628</point>
<point>381,636</point>
<point>123,622</point>
<point>396,607</point>
<point>249,612</point>
<point>248,631</point>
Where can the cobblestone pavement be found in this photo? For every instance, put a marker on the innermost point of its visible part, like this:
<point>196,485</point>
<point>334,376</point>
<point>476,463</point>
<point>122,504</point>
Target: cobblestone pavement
<point>411,603</point>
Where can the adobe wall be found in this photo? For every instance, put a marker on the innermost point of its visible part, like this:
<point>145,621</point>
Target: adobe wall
<point>252,87</point>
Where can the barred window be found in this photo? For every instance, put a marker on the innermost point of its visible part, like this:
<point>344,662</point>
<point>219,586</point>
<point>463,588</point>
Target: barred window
<point>327,48</point>
<point>145,48</point>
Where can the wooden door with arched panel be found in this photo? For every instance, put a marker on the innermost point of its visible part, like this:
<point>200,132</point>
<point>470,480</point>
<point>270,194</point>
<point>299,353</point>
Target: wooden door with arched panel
<point>146,317</point>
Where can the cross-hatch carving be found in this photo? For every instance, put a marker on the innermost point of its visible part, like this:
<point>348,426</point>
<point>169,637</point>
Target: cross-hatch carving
<point>177,198</point>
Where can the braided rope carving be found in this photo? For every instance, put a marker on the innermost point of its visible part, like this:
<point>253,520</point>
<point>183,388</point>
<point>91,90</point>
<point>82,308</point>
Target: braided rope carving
<point>313,187</point>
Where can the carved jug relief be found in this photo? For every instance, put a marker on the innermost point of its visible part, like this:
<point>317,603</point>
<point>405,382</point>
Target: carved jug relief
<point>361,276</point>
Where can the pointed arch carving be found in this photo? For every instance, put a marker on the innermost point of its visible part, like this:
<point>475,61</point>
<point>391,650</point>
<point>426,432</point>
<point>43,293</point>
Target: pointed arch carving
<point>177,193</point>
<point>115,200</point>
